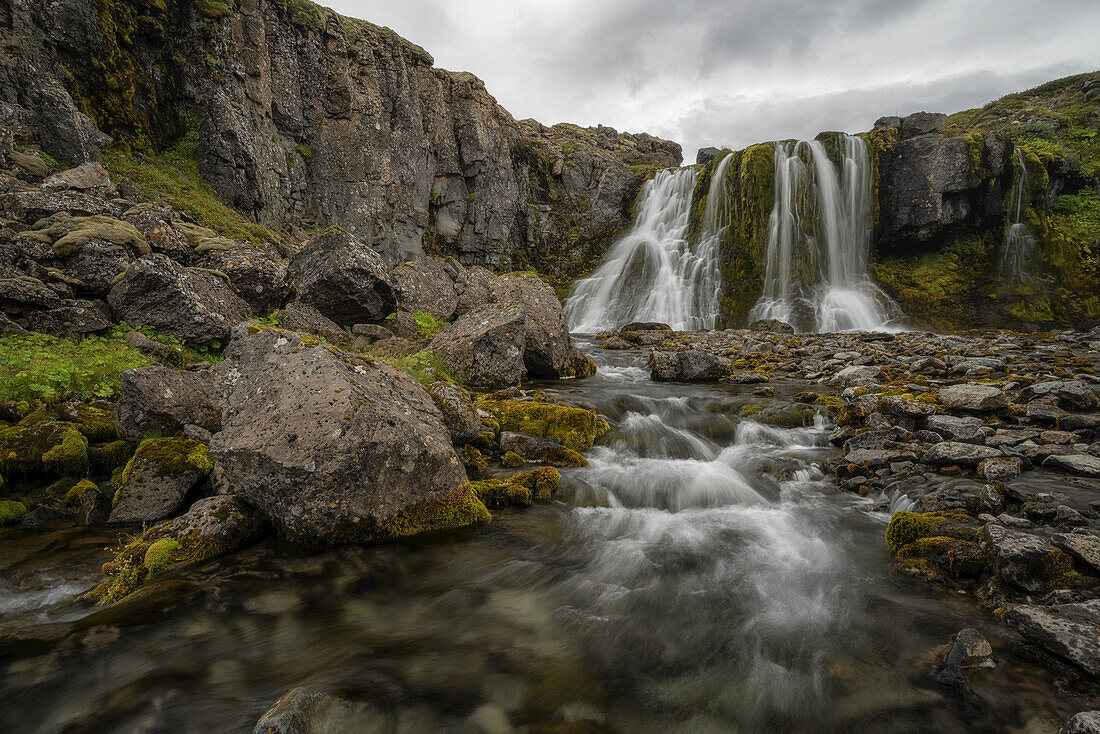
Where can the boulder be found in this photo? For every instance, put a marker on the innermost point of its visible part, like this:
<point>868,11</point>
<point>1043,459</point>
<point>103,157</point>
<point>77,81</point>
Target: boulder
<point>73,318</point>
<point>922,123</point>
<point>96,266</point>
<point>548,349</point>
<point>974,396</point>
<point>253,274</point>
<point>306,319</point>
<point>949,453</point>
<point>704,156</point>
<point>212,527</point>
<point>333,448</point>
<point>1086,722</point>
<point>159,478</point>
<point>32,206</point>
<point>540,450</point>
<point>1000,469</point>
<point>1084,464</point>
<point>343,278</point>
<point>160,400</point>
<point>88,177</point>
<point>305,710</point>
<point>459,414</point>
<point>1066,630</point>
<point>194,305</point>
<point>427,284</point>
<point>1026,560</point>
<point>486,346</point>
<point>23,294</point>
<point>954,428</point>
<point>1081,545</point>
<point>690,365</point>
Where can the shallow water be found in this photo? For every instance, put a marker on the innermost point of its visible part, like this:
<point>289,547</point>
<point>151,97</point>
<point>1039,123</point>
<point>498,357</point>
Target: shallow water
<point>701,575</point>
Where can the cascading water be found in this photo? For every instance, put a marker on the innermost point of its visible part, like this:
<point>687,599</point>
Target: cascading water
<point>819,236</point>
<point>653,273</point>
<point>1018,254</point>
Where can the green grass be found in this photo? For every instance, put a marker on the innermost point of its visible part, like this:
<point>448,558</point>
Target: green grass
<point>426,367</point>
<point>428,325</point>
<point>38,368</point>
<point>1078,215</point>
<point>187,355</point>
<point>173,177</point>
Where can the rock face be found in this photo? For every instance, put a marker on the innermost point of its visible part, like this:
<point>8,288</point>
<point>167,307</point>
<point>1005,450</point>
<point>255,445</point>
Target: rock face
<point>304,114</point>
<point>374,461</point>
<point>193,305</point>
<point>342,278</point>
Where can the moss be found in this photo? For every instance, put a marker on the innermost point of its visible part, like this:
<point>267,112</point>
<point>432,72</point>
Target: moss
<point>102,228</point>
<point>95,423</point>
<point>906,527</point>
<point>69,455</point>
<point>32,163</point>
<point>476,464</point>
<point>11,512</point>
<point>496,493</point>
<point>1056,570</point>
<point>426,366</point>
<point>542,482</point>
<point>108,457</point>
<point>577,428</point>
<point>75,496</point>
<point>444,511</point>
<point>427,325</point>
<point>511,459</point>
<point>160,554</point>
<point>938,556</point>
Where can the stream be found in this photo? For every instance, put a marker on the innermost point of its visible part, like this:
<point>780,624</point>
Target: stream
<point>703,574</point>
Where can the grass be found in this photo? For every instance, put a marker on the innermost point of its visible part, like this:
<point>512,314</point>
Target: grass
<point>1078,215</point>
<point>38,368</point>
<point>426,367</point>
<point>187,355</point>
<point>173,177</point>
<point>428,325</point>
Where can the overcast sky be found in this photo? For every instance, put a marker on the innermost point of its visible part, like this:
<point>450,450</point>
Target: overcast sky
<point>736,72</point>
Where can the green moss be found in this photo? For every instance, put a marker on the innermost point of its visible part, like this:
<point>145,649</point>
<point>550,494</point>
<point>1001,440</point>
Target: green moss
<point>577,428</point>
<point>906,527</point>
<point>306,152</point>
<point>476,464</point>
<point>69,455</point>
<point>11,512</point>
<point>942,556</point>
<point>445,511</point>
<point>106,458</point>
<point>511,459</point>
<point>160,554</point>
<point>496,493</point>
<point>426,366</point>
<point>95,423</point>
<point>32,163</point>
<point>427,325</point>
<point>542,482</point>
<point>102,228</point>
<point>75,496</point>
<point>167,457</point>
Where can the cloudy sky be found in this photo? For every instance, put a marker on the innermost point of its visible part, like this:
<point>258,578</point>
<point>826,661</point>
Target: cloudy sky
<point>735,72</point>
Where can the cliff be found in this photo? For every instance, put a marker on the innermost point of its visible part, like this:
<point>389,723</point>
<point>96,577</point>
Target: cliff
<point>301,118</point>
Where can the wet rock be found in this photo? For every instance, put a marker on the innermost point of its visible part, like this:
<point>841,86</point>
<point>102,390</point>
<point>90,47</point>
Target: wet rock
<point>540,450</point>
<point>459,414</point>
<point>1000,469</point>
<point>486,346</point>
<point>211,528</point>
<point>335,449</point>
<point>1083,546</point>
<point>954,428</point>
<point>969,649</point>
<point>307,711</point>
<point>645,326</point>
<point>159,478</point>
<point>1086,722</point>
<point>160,400</point>
<point>950,453</point>
<point>857,372</point>
<point>343,278</point>
<point>974,397</point>
<point>190,304</point>
<point>1066,630</point>
<point>687,366</point>
<point>1025,560</point>
<point>1082,464</point>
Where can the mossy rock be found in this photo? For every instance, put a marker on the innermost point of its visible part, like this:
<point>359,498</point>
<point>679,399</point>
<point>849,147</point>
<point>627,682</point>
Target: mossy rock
<point>496,493</point>
<point>106,458</point>
<point>11,512</point>
<point>160,554</point>
<point>939,557</point>
<point>449,510</point>
<point>168,457</point>
<point>75,496</point>
<point>907,527</point>
<point>542,482</point>
<point>790,415</point>
<point>475,462</point>
<point>49,448</point>
<point>30,162</point>
<point>158,479</point>
<point>576,428</point>
<point>511,459</point>
<point>106,229</point>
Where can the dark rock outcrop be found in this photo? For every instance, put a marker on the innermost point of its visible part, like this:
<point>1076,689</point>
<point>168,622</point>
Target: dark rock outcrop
<point>157,400</point>
<point>342,278</point>
<point>486,347</point>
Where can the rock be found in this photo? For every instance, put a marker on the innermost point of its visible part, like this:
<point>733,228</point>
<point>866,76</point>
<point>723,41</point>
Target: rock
<point>953,428</point>
<point>195,306</point>
<point>427,284</point>
<point>334,449</point>
<point>211,528</point>
<point>43,450</point>
<point>253,275</point>
<point>1086,722</point>
<point>857,372</point>
<point>1042,411</point>
<point>974,396</point>
<point>548,349</point>
<point>159,400</point>
<point>162,353</point>
<point>1000,469</point>
<point>706,155</point>
<point>306,319</point>
<point>1025,560</point>
<point>1083,464</point>
<point>157,481</point>
<point>576,428</point>
<point>1081,545</point>
<point>540,450</point>
<point>459,414</point>
<point>690,365</point>
<point>91,177</point>
<point>371,332</point>
<point>74,318</point>
<point>922,123</point>
<point>969,649</point>
<point>1066,630</point>
<point>771,326</point>
<point>342,278</point>
<point>23,294</point>
<point>307,711</point>
<point>949,453</point>
<point>486,346</point>
<point>645,326</point>
<point>32,206</point>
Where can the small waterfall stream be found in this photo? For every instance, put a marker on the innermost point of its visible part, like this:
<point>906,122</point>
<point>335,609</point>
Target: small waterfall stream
<point>653,273</point>
<point>819,237</point>
<point>1018,254</point>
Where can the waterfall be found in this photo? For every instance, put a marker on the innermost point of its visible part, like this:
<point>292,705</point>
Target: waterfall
<point>1018,254</point>
<point>819,236</point>
<point>653,273</point>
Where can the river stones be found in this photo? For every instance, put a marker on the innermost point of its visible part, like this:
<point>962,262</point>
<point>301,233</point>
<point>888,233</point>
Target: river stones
<point>1086,722</point>
<point>1083,464</point>
<point>334,448</point>
<point>1083,546</point>
<point>688,366</point>
<point>950,453</point>
<point>954,428</point>
<point>974,396</point>
<point>1067,630</point>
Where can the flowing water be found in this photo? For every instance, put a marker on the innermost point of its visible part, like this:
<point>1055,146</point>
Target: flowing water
<point>653,273</point>
<point>702,574</point>
<point>1018,255</point>
<point>819,237</point>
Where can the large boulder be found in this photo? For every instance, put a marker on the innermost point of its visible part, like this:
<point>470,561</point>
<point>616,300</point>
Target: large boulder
<point>253,274</point>
<point>951,453</point>
<point>548,349</point>
<point>193,305</point>
<point>1067,630</point>
<point>159,478</point>
<point>690,365</point>
<point>161,400</point>
<point>333,448</point>
<point>974,396</point>
<point>428,284</point>
<point>343,278</point>
<point>1026,560</point>
<point>486,346</point>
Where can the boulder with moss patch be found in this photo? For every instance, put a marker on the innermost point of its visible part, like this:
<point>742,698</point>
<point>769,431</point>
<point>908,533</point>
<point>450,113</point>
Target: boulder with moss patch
<point>576,428</point>
<point>1027,561</point>
<point>12,512</point>
<point>159,478</point>
<point>333,447</point>
<point>46,449</point>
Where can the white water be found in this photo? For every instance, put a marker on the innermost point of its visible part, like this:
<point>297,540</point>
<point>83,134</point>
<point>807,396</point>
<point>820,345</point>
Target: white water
<point>1018,254</point>
<point>819,237</point>
<point>653,273</point>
